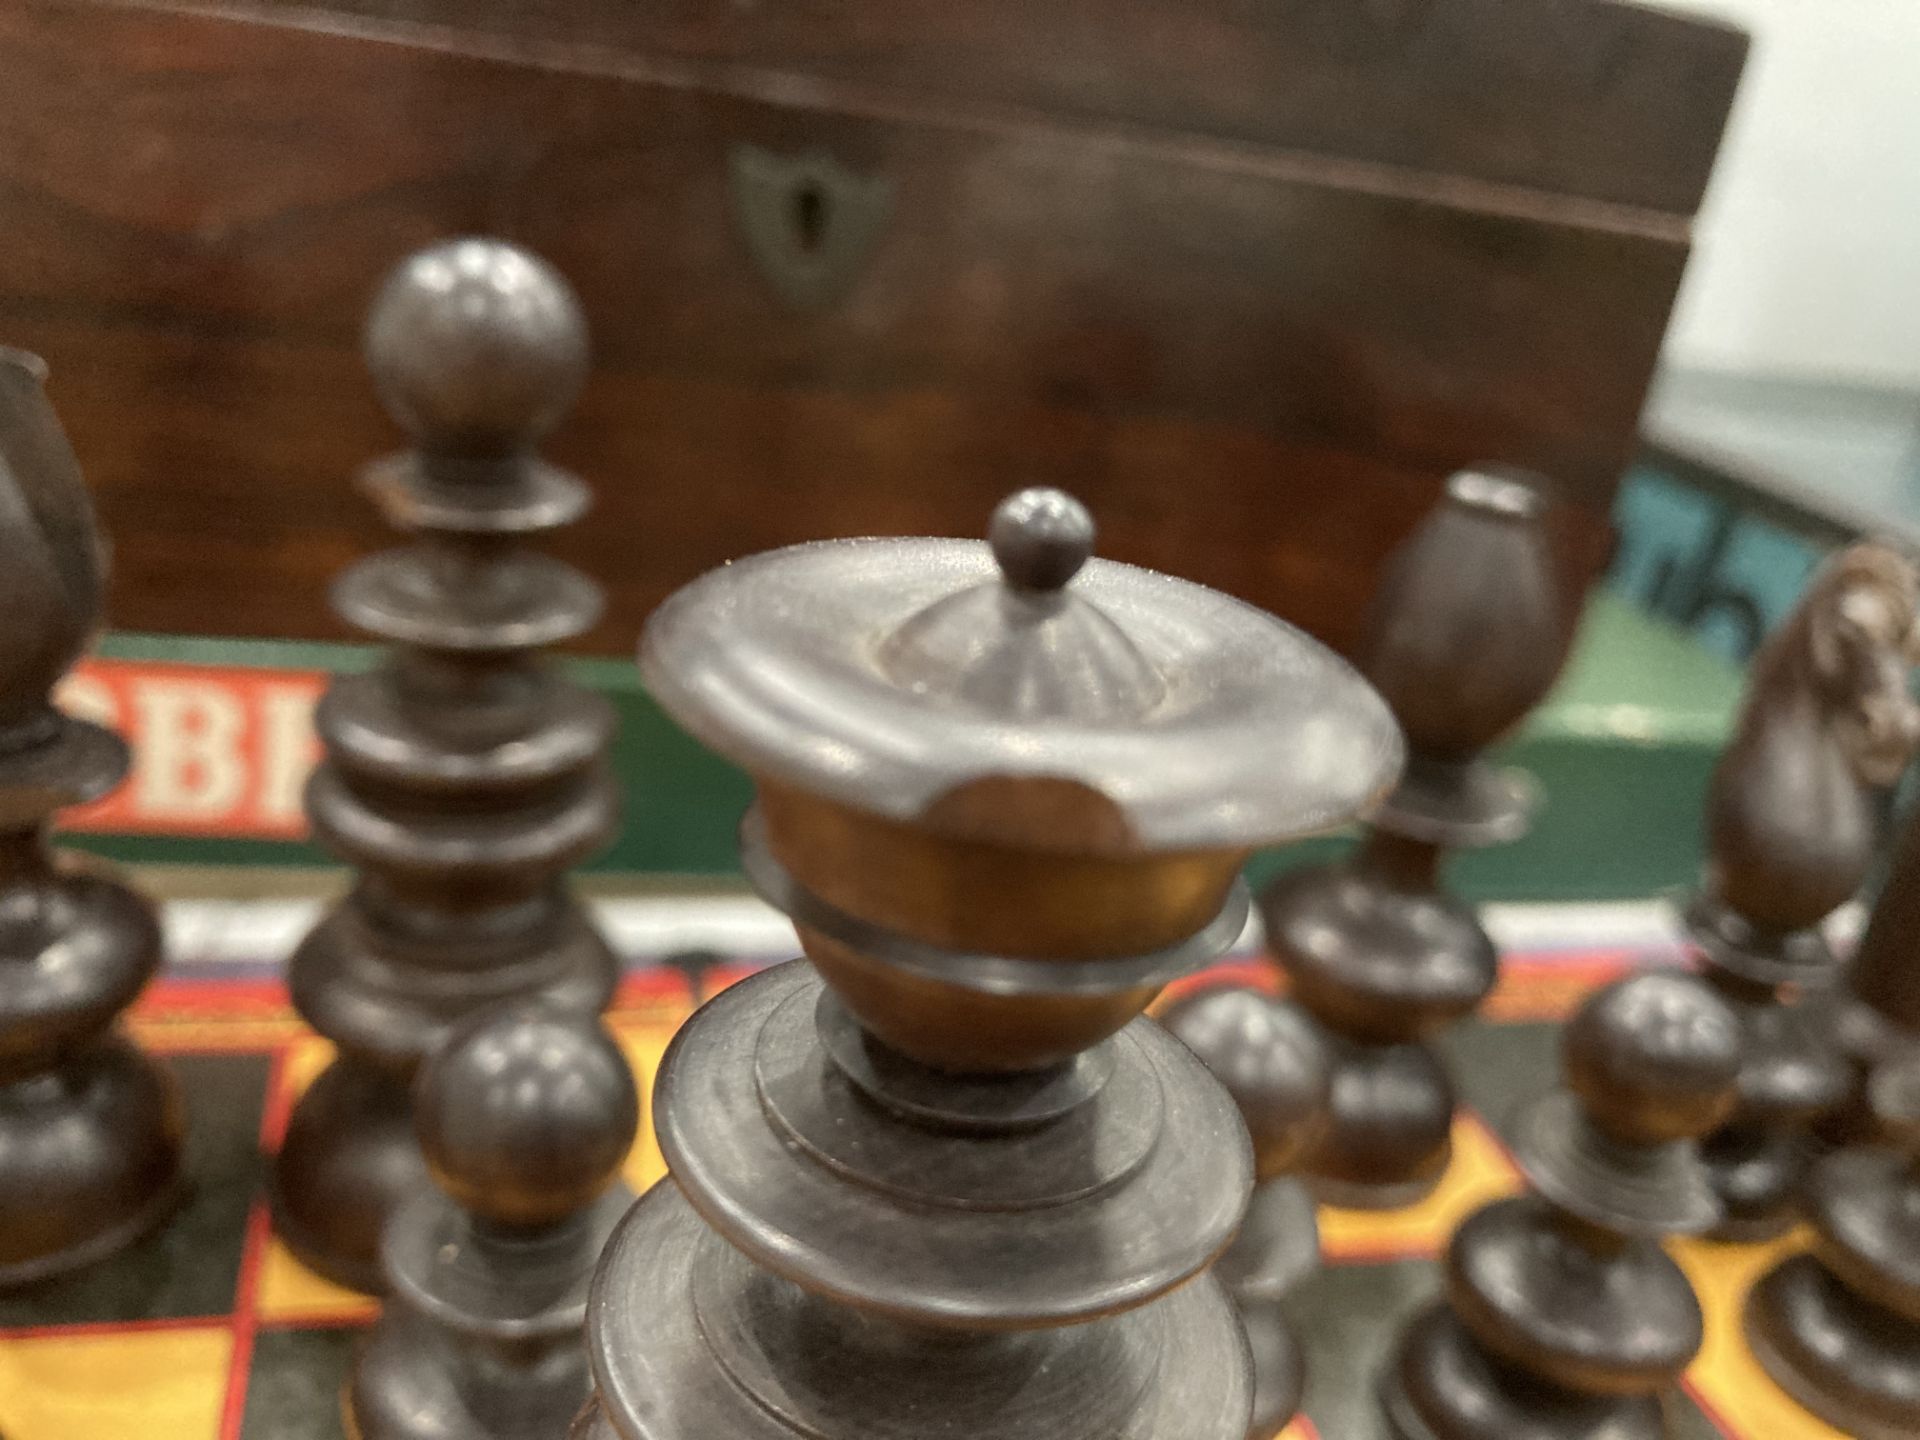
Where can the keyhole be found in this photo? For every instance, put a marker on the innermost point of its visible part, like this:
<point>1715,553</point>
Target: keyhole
<point>810,215</point>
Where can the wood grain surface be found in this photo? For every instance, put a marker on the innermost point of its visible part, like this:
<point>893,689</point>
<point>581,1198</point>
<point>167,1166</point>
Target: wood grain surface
<point>1250,282</point>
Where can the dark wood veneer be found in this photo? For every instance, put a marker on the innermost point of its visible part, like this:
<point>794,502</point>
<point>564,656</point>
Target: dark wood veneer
<point>1251,280</point>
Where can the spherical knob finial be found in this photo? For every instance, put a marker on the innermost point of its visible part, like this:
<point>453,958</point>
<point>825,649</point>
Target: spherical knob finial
<point>1653,1058</point>
<point>526,1113</point>
<point>477,347</point>
<point>1267,1055</point>
<point>1040,538</point>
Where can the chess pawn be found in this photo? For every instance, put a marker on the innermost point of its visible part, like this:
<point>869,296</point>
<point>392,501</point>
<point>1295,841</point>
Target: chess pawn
<point>1563,1319</point>
<point>1466,636</point>
<point>524,1117</point>
<point>90,1128</point>
<point>1269,1057</point>
<point>1793,823</point>
<point>1838,1328</point>
<point>464,775</point>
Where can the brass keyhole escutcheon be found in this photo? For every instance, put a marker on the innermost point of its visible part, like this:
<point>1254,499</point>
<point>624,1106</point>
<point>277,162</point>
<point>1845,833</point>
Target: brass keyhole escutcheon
<point>809,222</point>
<point>809,216</point>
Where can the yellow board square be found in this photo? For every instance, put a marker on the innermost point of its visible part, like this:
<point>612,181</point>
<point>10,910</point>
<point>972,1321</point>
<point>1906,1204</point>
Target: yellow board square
<point>1725,1379</point>
<point>1298,1428</point>
<point>301,1066</point>
<point>287,1292</point>
<point>644,1042</point>
<point>168,1382</point>
<point>291,1294</point>
<point>1479,1171</point>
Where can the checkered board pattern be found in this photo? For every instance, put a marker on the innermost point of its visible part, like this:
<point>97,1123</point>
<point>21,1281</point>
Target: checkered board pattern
<point>210,1330</point>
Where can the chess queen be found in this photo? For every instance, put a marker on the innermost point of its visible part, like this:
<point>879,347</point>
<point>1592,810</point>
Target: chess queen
<point>940,1176</point>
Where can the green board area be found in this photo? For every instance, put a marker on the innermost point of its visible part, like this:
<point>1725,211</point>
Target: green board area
<point>1622,751</point>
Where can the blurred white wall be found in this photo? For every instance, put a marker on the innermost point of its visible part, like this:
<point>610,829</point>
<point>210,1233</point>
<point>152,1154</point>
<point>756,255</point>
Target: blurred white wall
<point>1808,251</point>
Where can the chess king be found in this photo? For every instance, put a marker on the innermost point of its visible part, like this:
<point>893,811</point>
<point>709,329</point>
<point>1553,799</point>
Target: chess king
<point>940,1176</point>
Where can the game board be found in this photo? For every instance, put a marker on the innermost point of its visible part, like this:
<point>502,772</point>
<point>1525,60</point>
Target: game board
<point>211,1331</point>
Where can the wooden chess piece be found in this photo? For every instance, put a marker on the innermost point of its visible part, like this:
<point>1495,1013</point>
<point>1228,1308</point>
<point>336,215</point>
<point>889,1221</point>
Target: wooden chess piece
<point>1563,1318</point>
<point>525,1115</point>
<point>1873,1014</point>
<point>1270,1058</point>
<point>1793,823</point>
<point>90,1128</point>
<point>1466,636</point>
<point>1839,1328</point>
<point>464,775</point>
<point>941,1176</point>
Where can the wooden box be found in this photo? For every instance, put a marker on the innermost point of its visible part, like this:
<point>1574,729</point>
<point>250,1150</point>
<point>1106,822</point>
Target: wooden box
<point>1250,278</point>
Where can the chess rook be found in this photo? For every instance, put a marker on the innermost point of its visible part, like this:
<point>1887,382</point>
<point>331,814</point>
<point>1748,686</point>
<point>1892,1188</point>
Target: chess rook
<point>1269,1057</point>
<point>1839,1328</point>
<point>1563,1319</point>
<point>90,1128</point>
<point>524,1116</point>
<point>1466,636</point>
<point>1793,823</point>
<point>464,775</point>
<point>942,1173</point>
